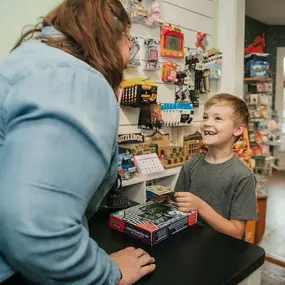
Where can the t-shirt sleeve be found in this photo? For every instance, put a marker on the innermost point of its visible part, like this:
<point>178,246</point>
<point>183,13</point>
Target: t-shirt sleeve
<point>184,178</point>
<point>244,200</point>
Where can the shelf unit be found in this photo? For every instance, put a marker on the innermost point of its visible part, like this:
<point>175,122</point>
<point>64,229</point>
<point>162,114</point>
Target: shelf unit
<point>257,79</point>
<point>135,189</point>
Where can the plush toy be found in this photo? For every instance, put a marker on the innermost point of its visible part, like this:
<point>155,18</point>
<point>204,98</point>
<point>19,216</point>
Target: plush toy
<point>257,46</point>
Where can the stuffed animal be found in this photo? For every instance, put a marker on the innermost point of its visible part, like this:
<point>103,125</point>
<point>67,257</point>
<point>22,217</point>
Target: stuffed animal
<point>257,46</point>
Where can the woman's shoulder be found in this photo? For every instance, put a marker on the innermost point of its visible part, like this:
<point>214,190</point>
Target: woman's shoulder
<point>38,58</point>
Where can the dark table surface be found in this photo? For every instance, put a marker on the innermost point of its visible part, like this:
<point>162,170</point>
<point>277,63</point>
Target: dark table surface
<point>195,256</point>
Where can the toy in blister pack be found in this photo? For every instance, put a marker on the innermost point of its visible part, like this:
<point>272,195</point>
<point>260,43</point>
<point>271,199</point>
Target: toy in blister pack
<point>194,98</point>
<point>169,72</point>
<point>156,116</point>
<point>150,117</point>
<point>138,10</point>
<point>171,42</point>
<point>182,94</point>
<point>201,41</point>
<point>184,76</point>
<point>154,14</point>
<point>213,63</point>
<point>152,54</point>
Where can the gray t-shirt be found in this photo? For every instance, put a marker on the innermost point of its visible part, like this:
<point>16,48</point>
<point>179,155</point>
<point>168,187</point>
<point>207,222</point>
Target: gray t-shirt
<point>228,187</point>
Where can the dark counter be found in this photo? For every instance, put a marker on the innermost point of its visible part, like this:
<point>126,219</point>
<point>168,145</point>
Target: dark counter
<point>195,256</point>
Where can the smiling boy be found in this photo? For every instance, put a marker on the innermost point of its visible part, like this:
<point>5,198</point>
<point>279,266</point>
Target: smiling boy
<point>218,184</point>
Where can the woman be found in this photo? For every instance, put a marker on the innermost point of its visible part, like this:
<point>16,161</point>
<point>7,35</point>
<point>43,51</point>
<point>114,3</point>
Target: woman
<point>58,147</point>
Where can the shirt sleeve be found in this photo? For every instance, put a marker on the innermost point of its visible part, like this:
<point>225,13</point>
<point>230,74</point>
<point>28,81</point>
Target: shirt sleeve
<point>61,129</point>
<point>244,201</point>
<point>183,181</point>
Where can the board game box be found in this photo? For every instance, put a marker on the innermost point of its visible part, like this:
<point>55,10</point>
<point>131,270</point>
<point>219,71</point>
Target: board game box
<point>151,222</point>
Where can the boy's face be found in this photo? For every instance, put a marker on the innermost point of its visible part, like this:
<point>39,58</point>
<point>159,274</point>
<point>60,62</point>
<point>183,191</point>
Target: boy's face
<point>218,127</point>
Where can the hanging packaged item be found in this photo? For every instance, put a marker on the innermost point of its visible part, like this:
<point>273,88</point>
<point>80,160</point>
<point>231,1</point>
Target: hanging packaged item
<point>177,114</point>
<point>154,16</point>
<point>138,91</point>
<point>171,42</point>
<point>138,10</point>
<point>150,117</point>
<point>169,72</point>
<point>151,54</point>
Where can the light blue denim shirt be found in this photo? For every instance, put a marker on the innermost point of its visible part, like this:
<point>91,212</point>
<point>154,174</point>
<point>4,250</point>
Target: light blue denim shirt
<point>58,157</point>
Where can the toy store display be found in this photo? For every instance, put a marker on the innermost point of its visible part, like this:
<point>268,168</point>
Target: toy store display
<point>138,91</point>
<point>177,114</point>
<point>151,222</point>
<point>207,66</point>
<point>213,64</point>
<point>256,62</point>
<point>127,144</point>
<point>172,156</point>
<point>147,12</point>
<point>126,166</point>
<point>171,42</point>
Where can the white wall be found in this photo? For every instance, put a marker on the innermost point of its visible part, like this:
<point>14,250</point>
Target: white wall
<point>192,16</point>
<point>15,14</point>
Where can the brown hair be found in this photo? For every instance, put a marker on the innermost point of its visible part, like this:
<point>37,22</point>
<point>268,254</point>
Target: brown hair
<point>239,107</point>
<point>92,30</point>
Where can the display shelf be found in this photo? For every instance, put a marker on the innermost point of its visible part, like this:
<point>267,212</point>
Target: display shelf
<point>257,79</point>
<point>135,189</point>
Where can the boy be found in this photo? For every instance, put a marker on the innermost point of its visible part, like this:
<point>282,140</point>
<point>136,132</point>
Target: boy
<point>218,184</point>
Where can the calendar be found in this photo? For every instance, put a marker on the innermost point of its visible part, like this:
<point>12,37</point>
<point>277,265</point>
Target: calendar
<point>148,163</point>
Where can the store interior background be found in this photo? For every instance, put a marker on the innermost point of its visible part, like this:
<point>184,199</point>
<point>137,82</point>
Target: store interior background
<point>230,25</point>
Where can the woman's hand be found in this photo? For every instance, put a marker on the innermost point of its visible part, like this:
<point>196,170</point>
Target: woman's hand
<point>187,202</point>
<point>133,263</point>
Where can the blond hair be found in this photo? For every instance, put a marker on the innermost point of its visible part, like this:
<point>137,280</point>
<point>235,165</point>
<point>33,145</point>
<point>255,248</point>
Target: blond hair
<point>239,107</point>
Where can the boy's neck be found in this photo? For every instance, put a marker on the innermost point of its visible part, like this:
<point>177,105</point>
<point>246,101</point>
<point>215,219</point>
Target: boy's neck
<point>220,154</point>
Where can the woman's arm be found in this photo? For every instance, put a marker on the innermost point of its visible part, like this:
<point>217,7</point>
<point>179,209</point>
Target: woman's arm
<point>57,150</point>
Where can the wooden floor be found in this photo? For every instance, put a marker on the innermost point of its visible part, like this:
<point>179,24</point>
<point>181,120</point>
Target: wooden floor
<point>274,238</point>
<point>272,274</point>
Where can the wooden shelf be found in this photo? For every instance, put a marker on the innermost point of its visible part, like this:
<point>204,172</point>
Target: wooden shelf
<point>258,79</point>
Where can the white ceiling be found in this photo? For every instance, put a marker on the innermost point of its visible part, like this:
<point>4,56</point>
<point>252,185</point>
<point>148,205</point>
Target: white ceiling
<point>270,12</point>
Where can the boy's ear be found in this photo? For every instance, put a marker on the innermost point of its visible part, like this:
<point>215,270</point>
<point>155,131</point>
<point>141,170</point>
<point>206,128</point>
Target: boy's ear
<point>239,130</point>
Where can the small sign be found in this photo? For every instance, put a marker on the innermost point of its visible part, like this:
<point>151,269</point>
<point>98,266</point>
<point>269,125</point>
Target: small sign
<point>131,138</point>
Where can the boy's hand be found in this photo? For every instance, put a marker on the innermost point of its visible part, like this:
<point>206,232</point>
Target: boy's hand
<point>188,202</point>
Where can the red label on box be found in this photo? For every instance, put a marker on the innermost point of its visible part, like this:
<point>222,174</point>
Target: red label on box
<point>117,224</point>
<point>192,219</point>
